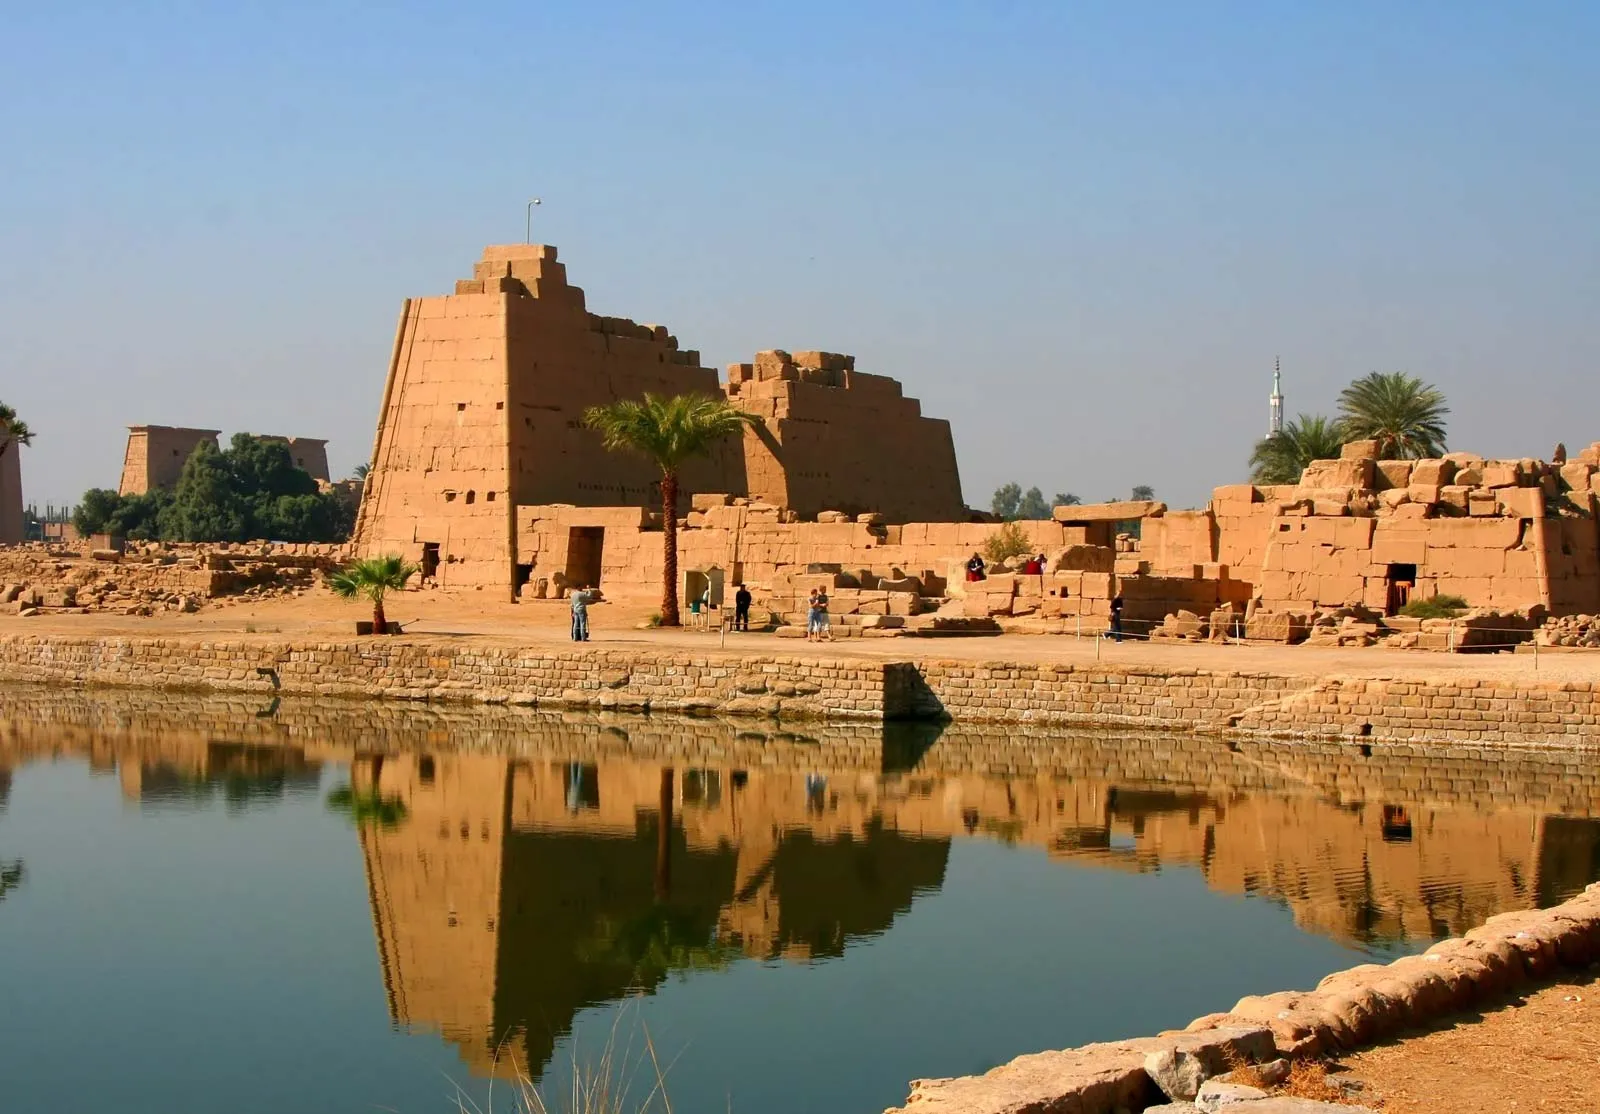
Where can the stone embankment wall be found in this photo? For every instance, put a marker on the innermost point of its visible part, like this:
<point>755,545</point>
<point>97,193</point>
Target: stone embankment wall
<point>1447,709</point>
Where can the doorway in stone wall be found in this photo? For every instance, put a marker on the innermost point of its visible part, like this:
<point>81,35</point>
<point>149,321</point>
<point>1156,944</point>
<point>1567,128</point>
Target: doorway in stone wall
<point>1399,581</point>
<point>430,560</point>
<point>585,546</point>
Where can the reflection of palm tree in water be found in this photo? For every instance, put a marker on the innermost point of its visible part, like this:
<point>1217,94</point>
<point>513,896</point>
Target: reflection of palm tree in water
<point>663,938</point>
<point>11,875</point>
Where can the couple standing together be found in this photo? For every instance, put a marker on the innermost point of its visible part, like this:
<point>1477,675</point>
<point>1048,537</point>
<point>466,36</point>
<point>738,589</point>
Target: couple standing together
<point>817,626</point>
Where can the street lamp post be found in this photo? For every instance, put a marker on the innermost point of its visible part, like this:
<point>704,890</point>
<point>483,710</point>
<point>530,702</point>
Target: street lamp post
<point>528,236</point>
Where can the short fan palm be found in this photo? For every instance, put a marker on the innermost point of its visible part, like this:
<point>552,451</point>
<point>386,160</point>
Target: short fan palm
<point>670,432</point>
<point>372,578</point>
<point>1282,457</point>
<point>1404,415</point>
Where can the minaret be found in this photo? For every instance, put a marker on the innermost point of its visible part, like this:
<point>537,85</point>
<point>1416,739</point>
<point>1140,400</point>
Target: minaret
<point>1275,421</point>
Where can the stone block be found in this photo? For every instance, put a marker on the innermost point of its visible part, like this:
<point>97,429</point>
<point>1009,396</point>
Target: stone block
<point>1356,473</point>
<point>1277,626</point>
<point>1469,476</point>
<point>1435,473</point>
<point>1519,502</point>
<point>1096,1077</point>
<point>1392,474</point>
<point>1499,473</point>
<point>1192,1058</point>
<point>1359,450</point>
<point>1125,511</point>
<point>1215,1095</point>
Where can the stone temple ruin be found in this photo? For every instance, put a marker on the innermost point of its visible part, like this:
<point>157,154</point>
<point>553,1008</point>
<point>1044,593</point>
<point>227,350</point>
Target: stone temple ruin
<point>481,437</point>
<point>156,454</point>
<point>484,474</point>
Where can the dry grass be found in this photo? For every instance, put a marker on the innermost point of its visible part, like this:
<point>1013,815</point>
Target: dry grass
<point>603,1085</point>
<point>1308,1079</point>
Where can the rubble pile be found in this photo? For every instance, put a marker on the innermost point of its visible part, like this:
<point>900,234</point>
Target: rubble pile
<point>1570,630</point>
<point>145,578</point>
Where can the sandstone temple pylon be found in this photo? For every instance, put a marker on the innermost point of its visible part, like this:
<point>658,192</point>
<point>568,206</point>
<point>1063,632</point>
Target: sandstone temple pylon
<point>483,408</point>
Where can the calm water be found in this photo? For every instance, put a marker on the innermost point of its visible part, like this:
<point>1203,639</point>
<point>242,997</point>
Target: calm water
<point>224,906</point>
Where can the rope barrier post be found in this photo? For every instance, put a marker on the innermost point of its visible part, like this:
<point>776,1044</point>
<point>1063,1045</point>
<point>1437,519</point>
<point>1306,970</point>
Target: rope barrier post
<point>1080,622</point>
<point>1536,655</point>
<point>1099,638</point>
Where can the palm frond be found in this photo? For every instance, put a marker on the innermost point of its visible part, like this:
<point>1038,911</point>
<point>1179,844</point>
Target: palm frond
<point>1282,457</point>
<point>667,431</point>
<point>371,577</point>
<point>1399,411</point>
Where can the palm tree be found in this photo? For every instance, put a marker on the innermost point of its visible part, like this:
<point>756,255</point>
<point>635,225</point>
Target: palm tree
<point>1281,457</point>
<point>669,431</point>
<point>12,429</point>
<point>1404,415</point>
<point>372,577</point>
<point>361,472</point>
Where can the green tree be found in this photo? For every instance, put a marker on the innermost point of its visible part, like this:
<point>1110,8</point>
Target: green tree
<point>372,578</point>
<point>93,512</point>
<point>1007,501</point>
<point>1281,457</point>
<point>1066,499</point>
<point>668,432</point>
<point>1033,506</point>
<point>361,472</point>
<point>206,506</point>
<point>13,430</point>
<point>139,516</point>
<point>1404,415</point>
<point>1143,493</point>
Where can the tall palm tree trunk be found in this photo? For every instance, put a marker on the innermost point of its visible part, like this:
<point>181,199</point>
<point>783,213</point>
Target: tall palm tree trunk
<point>669,555</point>
<point>380,622</point>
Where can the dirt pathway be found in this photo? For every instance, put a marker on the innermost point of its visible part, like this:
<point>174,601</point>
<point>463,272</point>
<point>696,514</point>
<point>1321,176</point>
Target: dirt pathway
<point>1537,1049</point>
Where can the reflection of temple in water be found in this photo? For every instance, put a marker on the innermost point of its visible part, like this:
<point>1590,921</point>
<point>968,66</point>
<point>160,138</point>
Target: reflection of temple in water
<point>515,894</point>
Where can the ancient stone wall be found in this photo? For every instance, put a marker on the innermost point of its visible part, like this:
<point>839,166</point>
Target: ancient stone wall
<point>1503,534</point>
<point>156,454</point>
<point>1445,709</point>
<point>834,438</point>
<point>310,454</point>
<point>11,495</point>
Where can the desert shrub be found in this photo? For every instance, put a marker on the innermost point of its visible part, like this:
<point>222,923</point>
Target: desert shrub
<point>1435,607</point>
<point>1007,542</point>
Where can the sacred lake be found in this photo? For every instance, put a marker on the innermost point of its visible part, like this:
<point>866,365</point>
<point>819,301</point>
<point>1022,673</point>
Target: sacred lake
<point>261,906</point>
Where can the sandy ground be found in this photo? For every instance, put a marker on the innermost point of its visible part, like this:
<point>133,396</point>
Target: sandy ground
<point>539,622</point>
<point>1538,1050</point>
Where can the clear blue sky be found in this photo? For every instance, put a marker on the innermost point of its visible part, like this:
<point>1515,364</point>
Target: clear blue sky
<point>1080,231</point>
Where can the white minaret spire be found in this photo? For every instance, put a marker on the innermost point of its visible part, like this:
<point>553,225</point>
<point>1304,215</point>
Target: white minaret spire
<point>1275,421</point>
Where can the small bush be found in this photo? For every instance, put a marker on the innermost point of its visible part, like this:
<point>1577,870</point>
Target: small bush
<point>1437,607</point>
<point>1007,542</point>
<point>655,619</point>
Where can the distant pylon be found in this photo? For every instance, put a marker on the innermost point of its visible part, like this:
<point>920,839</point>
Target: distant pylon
<point>1275,420</point>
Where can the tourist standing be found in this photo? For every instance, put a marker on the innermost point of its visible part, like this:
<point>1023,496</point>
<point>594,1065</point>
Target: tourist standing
<point>580,613</point>
<point>1116,617</point>
<point>741,609</point>
<point>811,616</point>
<point>820,604</point>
